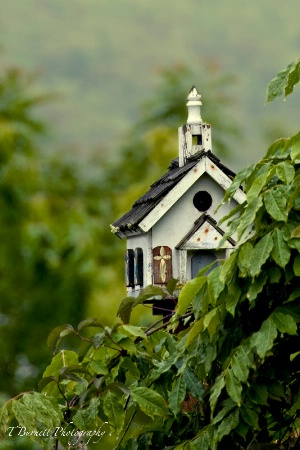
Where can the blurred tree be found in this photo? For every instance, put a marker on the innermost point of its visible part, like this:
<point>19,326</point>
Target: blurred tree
<point>49,228</point>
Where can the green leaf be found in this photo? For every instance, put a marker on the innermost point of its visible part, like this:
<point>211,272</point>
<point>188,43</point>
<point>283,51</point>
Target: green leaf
<point>211,321</point>
<point>296,404</point>
<point>164,365</point>
<point>228,424</point>
<point>98,339</point>
<point>63,359</point>
<point>248,217</point>
<point>260,254</point>
<point>281,252</point>
<point>215,285</point>
<point>202,441</point>
<point>137,423</point>
<point>250,417</point>
<point>263,339</point>
<point>24,415</point>
<point>233,386</point>
<point>150,402</point>
<point>76,368</point>
<point>294,295</point>
<point>275,202</point>
<point>99,367</point>
<point>291,309</point>
<point>285,172</point>
<point>274,274</point>
<point>194,386</point>
<point>58,334</point>
<point>275,388</point>
<point>194,332</point>
<point>171,285</point>
<point>89,323</point>
<point>85,419</point>
<point>125,308</point>
<point>228,405</point>
<point>233,212</point>
<point>232,298</point>
<point>45,381</point>
<point>149,292</point>
<point>294,355</point>
<point>284,82</point>
<point>132,372</point>
<point>284,323</point>
<point>114,411</point>
<point>257,286</point>
<point>134,331</point>
<point>129,345</point>
<point>244,255</point>
<point>215,392</point>
<point>240,365</point>
<point>296,266</point>
<point>237,181</point>
<point>4,420</point>
<point>258,394</point>
<point>295,147</point>
<point>188,294</point>
<point>296,233</point>
<point>227,267</point>
<point>242,430</point>
<point>293,200</point>
<point>177,396</point>
<point>45,409</point>
<point>276,148</point>
<point>259,183</point>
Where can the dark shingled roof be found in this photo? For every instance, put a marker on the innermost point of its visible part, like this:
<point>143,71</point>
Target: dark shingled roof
<point>145,204</point>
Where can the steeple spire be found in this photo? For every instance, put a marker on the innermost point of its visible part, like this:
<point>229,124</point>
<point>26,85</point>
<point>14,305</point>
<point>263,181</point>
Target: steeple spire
<point>193,106</point>
<point>195,136</point>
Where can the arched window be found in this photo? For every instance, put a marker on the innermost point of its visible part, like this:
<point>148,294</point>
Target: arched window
<point>162,265</point>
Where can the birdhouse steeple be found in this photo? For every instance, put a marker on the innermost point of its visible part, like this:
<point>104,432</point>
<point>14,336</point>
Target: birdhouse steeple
<point>193,106</point>
<point>195,136</point>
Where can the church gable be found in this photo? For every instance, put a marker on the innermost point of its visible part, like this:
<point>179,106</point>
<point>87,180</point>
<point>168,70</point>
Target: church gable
<point>205,234</point>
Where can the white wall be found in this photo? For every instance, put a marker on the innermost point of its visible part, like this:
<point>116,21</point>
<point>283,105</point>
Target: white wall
<point>179,220</point>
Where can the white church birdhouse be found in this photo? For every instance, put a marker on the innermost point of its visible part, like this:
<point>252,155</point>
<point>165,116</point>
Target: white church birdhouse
<point>172,230</point>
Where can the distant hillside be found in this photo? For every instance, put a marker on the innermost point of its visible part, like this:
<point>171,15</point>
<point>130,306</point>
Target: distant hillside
<point>104,56</point>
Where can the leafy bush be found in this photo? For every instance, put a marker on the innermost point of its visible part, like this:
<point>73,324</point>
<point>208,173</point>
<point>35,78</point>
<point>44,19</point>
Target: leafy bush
<point>223,372</point>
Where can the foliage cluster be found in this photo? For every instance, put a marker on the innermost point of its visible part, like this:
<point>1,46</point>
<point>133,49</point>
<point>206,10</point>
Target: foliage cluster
<point>50,224</point>
<point>224,374</point>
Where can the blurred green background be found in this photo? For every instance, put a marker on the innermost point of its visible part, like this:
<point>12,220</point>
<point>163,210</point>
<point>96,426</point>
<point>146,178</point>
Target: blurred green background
<point>91,95</point>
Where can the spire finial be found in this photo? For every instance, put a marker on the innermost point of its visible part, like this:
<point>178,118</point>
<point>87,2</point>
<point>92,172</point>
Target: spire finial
<point>193,105</point>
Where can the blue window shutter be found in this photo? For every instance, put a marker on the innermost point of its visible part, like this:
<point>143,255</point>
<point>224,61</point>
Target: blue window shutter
<point>129,268</point>
<point>138,267</point>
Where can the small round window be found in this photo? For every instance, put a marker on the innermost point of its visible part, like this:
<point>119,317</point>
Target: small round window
<point>202,201</point>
